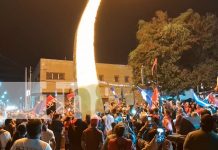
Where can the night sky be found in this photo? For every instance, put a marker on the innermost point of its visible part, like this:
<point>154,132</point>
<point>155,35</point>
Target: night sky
<point>34,29</point>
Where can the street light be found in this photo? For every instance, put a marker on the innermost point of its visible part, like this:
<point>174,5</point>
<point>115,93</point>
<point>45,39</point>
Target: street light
<point>5,92</point>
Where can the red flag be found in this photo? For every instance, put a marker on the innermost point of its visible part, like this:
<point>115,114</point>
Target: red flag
<point>49,100</point>
<point>211,98</point>
<point>155,96</point>
<point>70,96</point>
<point>154,66</point>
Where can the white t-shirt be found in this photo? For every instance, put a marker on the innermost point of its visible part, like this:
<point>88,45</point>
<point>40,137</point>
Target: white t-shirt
<point>30,144</point>
<point>108,119</point>
<point>4,138</point>
<point>47,136</point>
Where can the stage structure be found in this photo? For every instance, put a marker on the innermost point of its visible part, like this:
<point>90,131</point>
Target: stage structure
<point>88,100</point>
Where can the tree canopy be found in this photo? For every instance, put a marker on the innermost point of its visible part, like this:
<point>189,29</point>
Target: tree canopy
<point>186,48</point>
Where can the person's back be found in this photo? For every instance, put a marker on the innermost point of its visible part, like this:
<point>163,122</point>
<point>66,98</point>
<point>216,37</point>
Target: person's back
<point>33,141</point>
<point>108,119</point>
<point>47,136</point>
<point>5,136</point>
<point>204,138</point>
<point>201,140</point>
<point>57,127</point>
<point>92,138</point>
<point>120,143</point>
<point>75,133</point>
<point>33,144</point>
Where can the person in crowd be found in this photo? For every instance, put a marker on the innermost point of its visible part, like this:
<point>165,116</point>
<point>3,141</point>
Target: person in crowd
<point>34,129</point>
<point>204,112</point>
<point>75,132</point>
<point>143,135</point>
<point>67,123</point>
<point>88,119</point>
<point>118,117</point>
<point>92,138</point>
<point>19,133</point>
<point>187,108</point>
<point>167,121</point>
<point>195,120</point>
<point>193,107</point>
<point>47,136</point>
<point>204,138</point>
<point>182,124</point>
<point>5,136</point>
<point>108,119</point>
<point>151,143</point>
<point>10,126</point>
<point>120,142</point>
<point>111,135</point>
<point>112,130</point>
<point>57,128</point>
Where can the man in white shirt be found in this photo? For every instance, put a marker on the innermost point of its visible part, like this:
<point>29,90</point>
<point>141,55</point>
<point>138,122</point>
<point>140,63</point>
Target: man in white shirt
<point>108,119</point>
<point>5,136</point>
<point>47,136</point>
<point>33,142</point>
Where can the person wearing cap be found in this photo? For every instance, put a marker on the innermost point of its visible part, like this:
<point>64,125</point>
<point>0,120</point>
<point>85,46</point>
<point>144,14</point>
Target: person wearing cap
<point>92,138</point>
<point>204,138</point>
<point>5,136</point>
<point>120,142</point>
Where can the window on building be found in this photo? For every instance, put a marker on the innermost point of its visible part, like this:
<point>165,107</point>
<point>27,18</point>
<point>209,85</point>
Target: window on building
<point>116,78</point>
<point>49,75</point>
<point>101,77</point>
<point>55,76</point>
<point>127,79</point>
<point>61,76</point>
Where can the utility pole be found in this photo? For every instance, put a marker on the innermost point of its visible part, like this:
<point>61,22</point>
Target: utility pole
<point>26,94</point>
<point>142,75</point>
<point>30,84</point>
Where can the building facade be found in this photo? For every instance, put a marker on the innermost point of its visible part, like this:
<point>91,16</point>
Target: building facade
<point>57,76</point>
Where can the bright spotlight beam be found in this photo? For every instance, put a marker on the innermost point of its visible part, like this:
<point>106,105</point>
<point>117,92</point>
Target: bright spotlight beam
<point>86,75</point>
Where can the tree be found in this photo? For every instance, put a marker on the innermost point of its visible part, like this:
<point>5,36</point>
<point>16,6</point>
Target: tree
<point>186,48</point>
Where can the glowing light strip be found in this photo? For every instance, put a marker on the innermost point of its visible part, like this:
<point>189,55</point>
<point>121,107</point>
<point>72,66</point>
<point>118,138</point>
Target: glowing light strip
<point>85,58</point>
<point>86,69</point>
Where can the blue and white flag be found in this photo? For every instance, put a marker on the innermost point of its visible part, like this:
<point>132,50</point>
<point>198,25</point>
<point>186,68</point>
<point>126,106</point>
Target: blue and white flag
<point>114,93</point>
<point>199,101</point>
<point>146,95</point>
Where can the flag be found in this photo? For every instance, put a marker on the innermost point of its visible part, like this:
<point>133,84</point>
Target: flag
<point>114,93</point>
<point>70,96</point>
<point>49,100</point>
<point>198,100</point>
<point>154,66</point>
<point>146,95</point>
<point>210,98</point>
<point>155,95</point>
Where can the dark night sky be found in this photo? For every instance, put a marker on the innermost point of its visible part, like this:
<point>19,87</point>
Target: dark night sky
<point>34,29</point>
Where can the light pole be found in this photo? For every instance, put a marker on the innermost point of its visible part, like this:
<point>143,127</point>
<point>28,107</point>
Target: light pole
<point>142,74</point>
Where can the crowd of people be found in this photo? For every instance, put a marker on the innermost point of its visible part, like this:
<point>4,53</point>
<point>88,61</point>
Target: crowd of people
<point>120,127</point>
